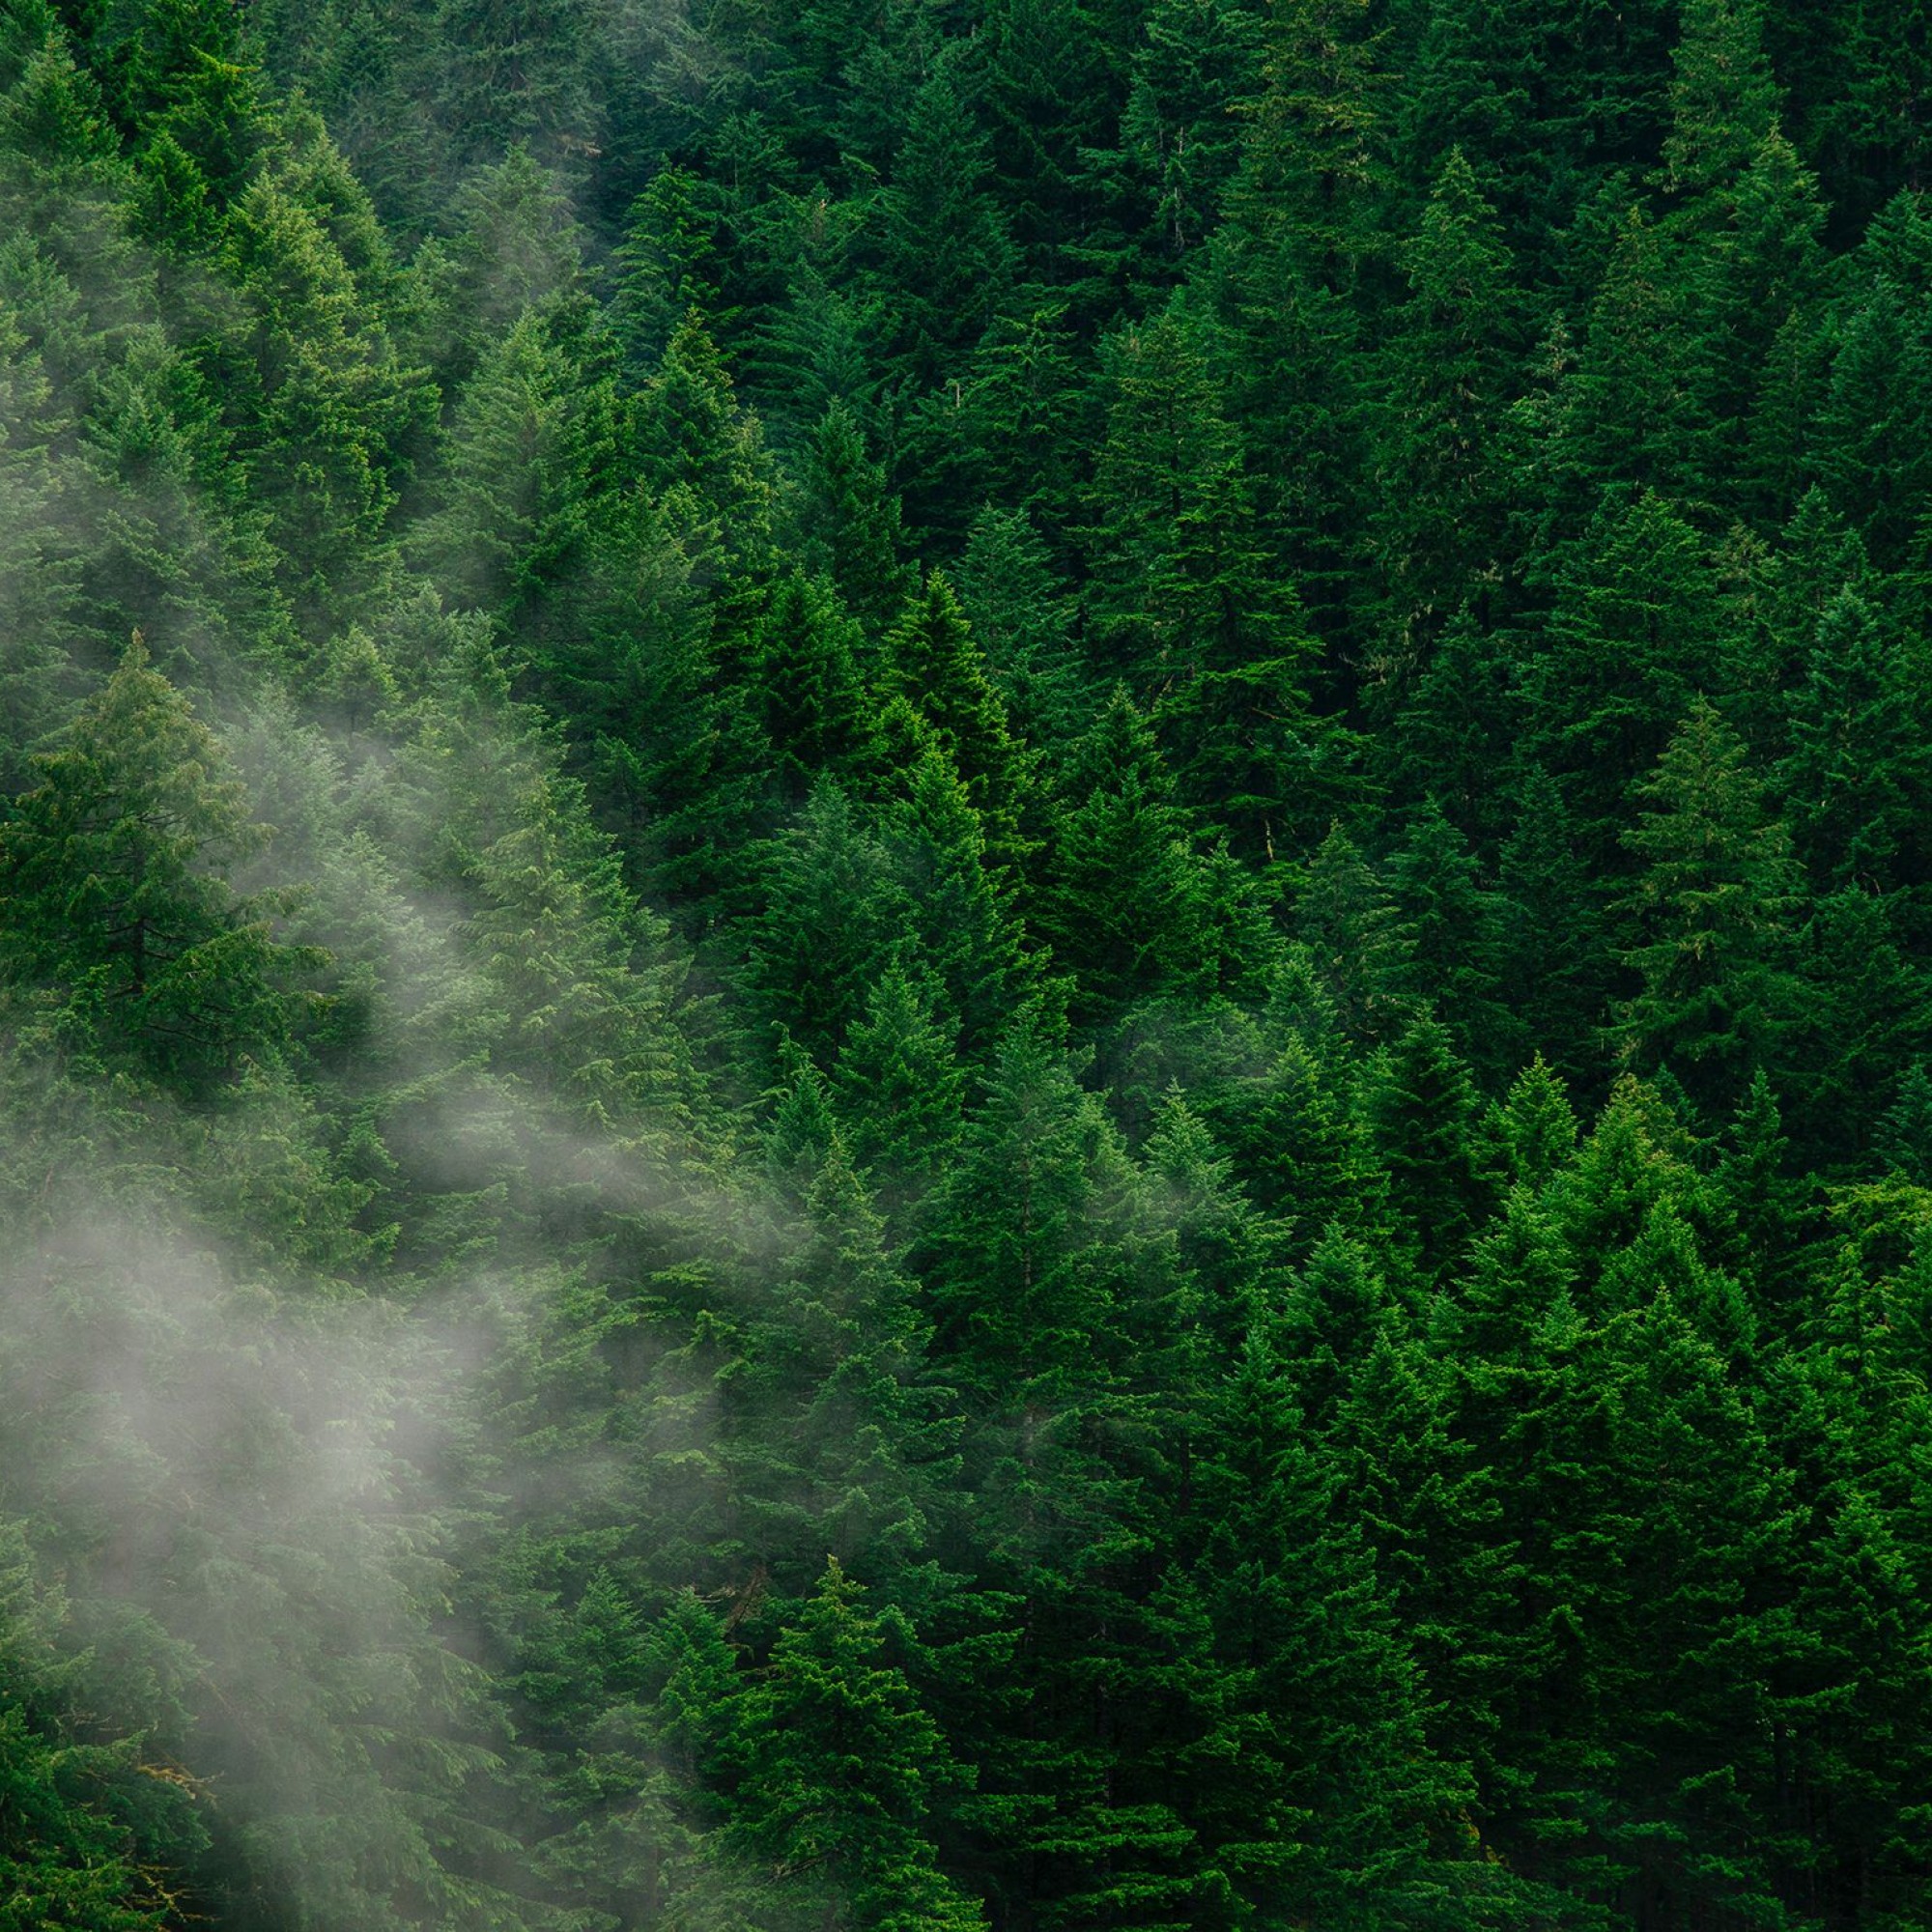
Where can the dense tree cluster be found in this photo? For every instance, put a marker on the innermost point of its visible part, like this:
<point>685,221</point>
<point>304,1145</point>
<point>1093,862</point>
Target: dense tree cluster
<point>965,963</point>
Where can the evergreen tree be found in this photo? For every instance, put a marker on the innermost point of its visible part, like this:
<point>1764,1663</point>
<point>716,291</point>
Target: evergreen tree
<point>829,917</point>
<point>1452,926</point>
<point>1331,1801</point>
<point>191,80</point>
<point>1422,1106</point>
<point>1438,526</point>
<point>508,64</point>
<point>806,662</point>
<point>122,938</point>
<point>935,663</point>
<point>666,269</point>
<point>944,250</point>
<point>957,902</point>
<point>843,1769</point>
<point>1867,450</point>
<point>1854,812</point>
<point>517,246</point>
<point>1711,913</point>
<point>1636,632</point>
<point>37,572</point>
<point>1723,100</point>
<point>1195,67</point>
<point>1020,610</point>
<point>331,408</point>
<point>1557,976</point>
<point>1192,609</point>
<point>902,1088</point>
<point>854,521</point>
<point>532,430</point>
<point>1124,894</point>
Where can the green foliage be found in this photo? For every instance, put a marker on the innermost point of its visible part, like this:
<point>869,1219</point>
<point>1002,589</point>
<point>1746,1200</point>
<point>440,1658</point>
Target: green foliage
<point>843,1763</point>
<point>1711,913</point>
<point>123,943</point>
<point>1114,811</point>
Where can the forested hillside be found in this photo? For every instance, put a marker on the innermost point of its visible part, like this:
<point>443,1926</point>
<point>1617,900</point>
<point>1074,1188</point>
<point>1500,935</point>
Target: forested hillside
<point>965,963</point>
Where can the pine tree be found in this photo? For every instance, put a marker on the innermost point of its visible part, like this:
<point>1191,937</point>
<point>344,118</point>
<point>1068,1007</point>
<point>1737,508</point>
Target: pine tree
<point>589,980</point>
<point>192,81</point>
<point>1195,67</point>
<point>1750,221</point>
<point>666,269</point>
<point>935,663</point>
<point>1855,774</point>
<point>1629,415</point>
<point>1711,912</point>
<point>1534,1128</point>
<point>1304,1153</point>
<point>829,917</point>
<point>1051,91</point>
<point>1018,609</point>
<point>1024,1281</point>
<point>122,940</point>
<point>807,660</point>
<point>1452,928</point>
<point>517,246</point>
<point>1723,100</point>
<point>902,1088</point>
<point>1637,630</point>
<point>834,1436</point>
<point>1297,240</point>
<point>1457,731</point>
<point>1011,430</point>
<point>1336,1308</point>
<point>533,431</point>
<point>1124,894</point>
<point>1634,1693</point>
<point>1225,1248</point>
<point>690,431</point>
<point>1422,1108</point>
<point>1190,605</point>
<point>854,523</point>
<point>54,113</point>
<point>331,408</point>
<point>944,249</point>
<point>1353,928</point>
<point>1317,1786</point>
<point>509,66</point>
<point>955,900</point>
<point>37,571</point>
<point>1557,976</point>
<point>1438,526</point>
<point>1868,447</point>
<point>1546,104</point>
<point>843,1769</point>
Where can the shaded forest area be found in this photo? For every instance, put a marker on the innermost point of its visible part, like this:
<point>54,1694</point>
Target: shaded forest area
<point>965,963</point>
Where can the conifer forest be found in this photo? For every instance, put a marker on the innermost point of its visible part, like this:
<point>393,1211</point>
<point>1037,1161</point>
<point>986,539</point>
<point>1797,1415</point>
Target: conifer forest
<point>965,964</point>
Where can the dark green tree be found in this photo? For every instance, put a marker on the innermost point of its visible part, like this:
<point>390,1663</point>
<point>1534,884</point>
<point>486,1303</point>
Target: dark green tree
<point>843,1769</point>
<point>1711,916</point>
<point>122,942</point>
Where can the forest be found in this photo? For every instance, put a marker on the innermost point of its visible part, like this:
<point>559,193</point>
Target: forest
<point>965,964</point>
